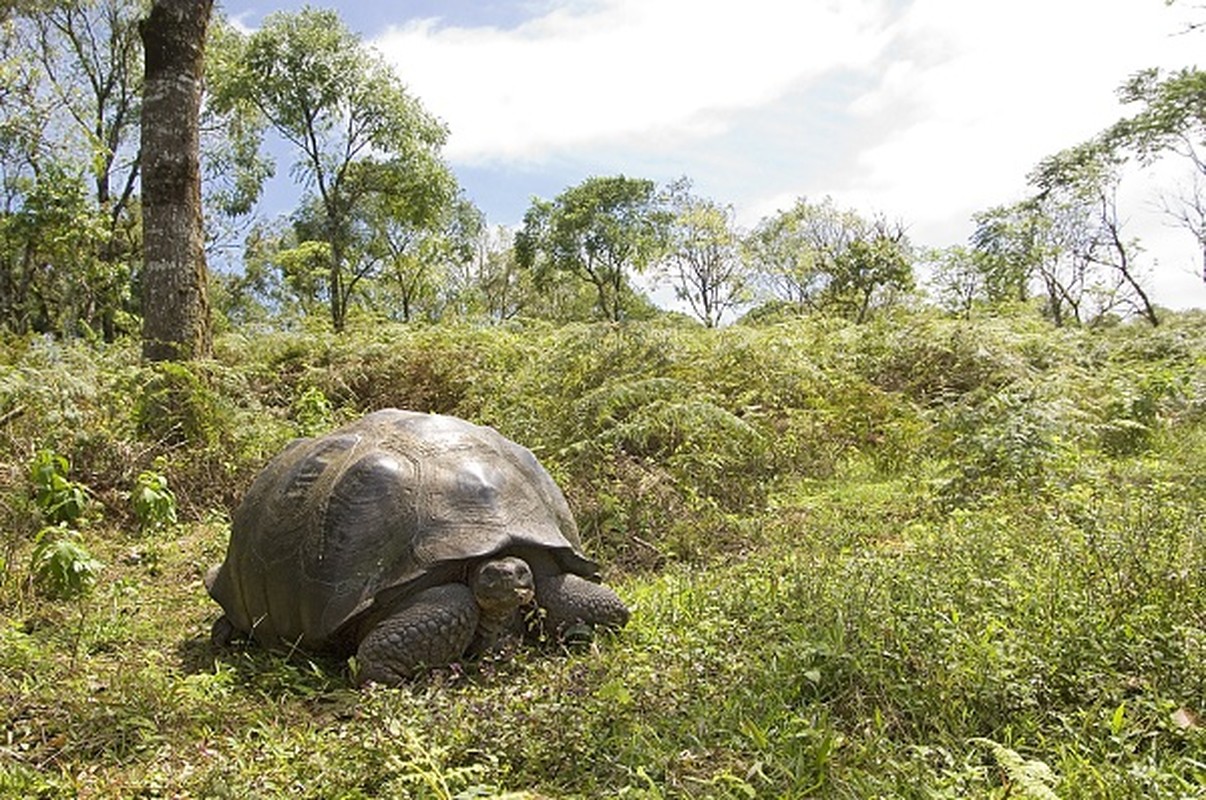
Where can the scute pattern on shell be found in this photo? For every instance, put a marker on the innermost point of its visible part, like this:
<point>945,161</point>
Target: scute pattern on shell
<point>385,504</point>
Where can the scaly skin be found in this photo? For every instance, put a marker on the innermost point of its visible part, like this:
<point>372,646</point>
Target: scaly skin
<point>433,629</point>
<point>570,599</point>
<point>445,623</point>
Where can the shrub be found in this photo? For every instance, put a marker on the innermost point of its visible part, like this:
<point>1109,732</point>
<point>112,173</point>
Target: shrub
<point>175,406</point>
<point>153,502</point>
<point>312,412</point>
<point>60,500</point>
<point>61,566</point>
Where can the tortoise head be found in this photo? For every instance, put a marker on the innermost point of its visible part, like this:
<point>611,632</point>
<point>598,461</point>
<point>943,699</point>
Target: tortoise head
<point>501,585</point>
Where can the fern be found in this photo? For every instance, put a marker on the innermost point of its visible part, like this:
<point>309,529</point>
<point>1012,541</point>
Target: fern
<point>1028,777</point>
<point>613,403</point>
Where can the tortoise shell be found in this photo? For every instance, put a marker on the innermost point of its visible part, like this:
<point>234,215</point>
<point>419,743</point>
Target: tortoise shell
<point>396,501</point>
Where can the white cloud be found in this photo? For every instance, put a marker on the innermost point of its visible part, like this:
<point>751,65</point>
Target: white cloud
<point>975,94</point>
<point>623,70</point>
<point>939,108</point>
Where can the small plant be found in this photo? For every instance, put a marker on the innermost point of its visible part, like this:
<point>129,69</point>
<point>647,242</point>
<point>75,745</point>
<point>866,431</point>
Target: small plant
<point>60,500</point>
<point>154,503</point>
<point>1030,778</point>
<point>63,569</point>
<point>61,566</point>
<point>177,406</point>
<point>312,411</point>
<point>1132,413</point>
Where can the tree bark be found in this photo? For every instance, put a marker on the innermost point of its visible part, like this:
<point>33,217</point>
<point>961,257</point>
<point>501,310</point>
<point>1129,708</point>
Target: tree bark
<point>175,304</point>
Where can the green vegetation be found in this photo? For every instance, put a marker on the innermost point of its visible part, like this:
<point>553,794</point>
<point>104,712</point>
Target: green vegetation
<point>916,557</point>
<point>874,549</point>
<point>378,227</point>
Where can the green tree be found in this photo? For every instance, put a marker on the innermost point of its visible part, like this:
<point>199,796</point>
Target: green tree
<point>873,269</point>
<point>601,232</point>
<point>957,278</point>
<point>256,294</point>
<point>819,257</point>
<point>91,53</point>
<point>304,268</point>
<point>1005,248</point>
<point>234,166</point>
<point>1082,184</point>
<point>1036,240</point>
<point>491,283</point>
<point>49,237</point>
<point>1068,238</point>
<point>70,81</point>
<point>791,253</point>
<point>416,230</point>
<point>703,256</point>
<point>348,117</point>
<point>1171,114</point>
<point>1171,119</point>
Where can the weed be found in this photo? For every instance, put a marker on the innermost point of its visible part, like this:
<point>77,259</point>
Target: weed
<point>153,502</point>
<point>920,557</point>
<point>312,411</point>
<point>60,500</point>
<point>61,566</point>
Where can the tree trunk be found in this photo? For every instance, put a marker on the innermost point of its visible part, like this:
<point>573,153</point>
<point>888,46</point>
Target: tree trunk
<point>175,306</point>
<point>339,305</point>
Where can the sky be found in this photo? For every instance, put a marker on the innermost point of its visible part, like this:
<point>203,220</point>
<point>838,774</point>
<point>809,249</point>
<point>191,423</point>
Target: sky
<point>924,111</point>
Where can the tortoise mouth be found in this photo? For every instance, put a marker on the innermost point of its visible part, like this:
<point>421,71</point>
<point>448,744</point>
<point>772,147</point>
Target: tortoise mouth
<point>502,585</point>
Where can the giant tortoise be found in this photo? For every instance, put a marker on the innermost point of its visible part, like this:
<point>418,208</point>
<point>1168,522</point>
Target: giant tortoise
<point>408,540</point>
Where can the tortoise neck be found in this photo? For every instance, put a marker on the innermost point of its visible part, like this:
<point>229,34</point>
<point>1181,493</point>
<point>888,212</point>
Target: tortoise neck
<point>493,630</point>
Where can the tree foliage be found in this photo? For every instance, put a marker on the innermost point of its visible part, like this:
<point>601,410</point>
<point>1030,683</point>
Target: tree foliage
<point>958,277</point>
<point>51,280</point>
<point>819,257</point>
<point>875,268</point>
<point>416,229</point>
<point>1041,242</point>
<point>1171,114</point>
<point>603,232</point>
<point>1079,188</point>
<point>380,227</point>
<point>703,255</point>
<point>1005,247</point>
<point>91,56</point>
<point>235,166</point>
<point>354,128</point>
<point>1067,239</point>
<point>1171,119</point>
<point>71,82</point>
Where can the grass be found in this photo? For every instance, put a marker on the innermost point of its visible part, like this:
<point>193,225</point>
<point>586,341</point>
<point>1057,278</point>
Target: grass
<point>902,583</point>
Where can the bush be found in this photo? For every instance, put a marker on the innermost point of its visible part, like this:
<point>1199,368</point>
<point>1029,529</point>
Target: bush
<point>153,502</point>
<point>61,566</point>
<point>60,500</point>
<point>175,406</point>
<point>917,557</point>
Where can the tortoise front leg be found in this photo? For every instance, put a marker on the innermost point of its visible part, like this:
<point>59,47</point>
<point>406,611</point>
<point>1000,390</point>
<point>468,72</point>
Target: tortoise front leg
<point>569,599</point>
<point>223,632</point>
<point>434,628</point>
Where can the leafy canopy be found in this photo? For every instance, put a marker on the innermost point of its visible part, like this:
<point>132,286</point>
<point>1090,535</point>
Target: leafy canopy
<point>599,231</point>
<point>703,256</point>
<point>818,256</point>
<point>356,131</point>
